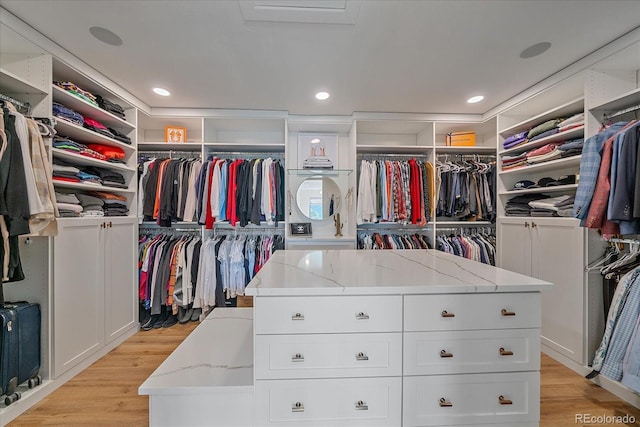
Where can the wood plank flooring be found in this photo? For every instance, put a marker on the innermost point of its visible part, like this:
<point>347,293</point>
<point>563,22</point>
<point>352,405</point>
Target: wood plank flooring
<point>106,394</point>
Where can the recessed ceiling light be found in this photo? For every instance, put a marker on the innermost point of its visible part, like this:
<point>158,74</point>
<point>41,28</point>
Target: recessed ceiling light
<point>315,140</point>
<point>161,92</point>
<point>535,50</point>
<point>475,99</point>
<point>106,36</point>
<point>322,96</point>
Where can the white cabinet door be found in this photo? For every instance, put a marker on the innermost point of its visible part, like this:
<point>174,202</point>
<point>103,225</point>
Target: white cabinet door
<point>78,317</point>
<point>559,259</point>
<point>514,247</point>
<point>120,293</point>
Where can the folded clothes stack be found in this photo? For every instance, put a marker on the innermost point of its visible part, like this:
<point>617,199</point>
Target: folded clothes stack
<point>553,206</point>
<point>76,91</point>
<point>111,107</point>
<point>114,204</point>
<point>89,178</point>
<point>96,126</point>
<point>544,154</point>
<point>108,152</point>
<point>92,206</point>
<point>519,205</point>
<point>544,127</point>
<point>572,122</point>
<point>67,114</point>
<point>544,134</point>
<point>512,162</point>
<point>64,143</point>
<point>515,140</point>
<point>68,205</point>
<point>107,177</point>
<point>119,136</point>
<point>62,171</point>
<point>573,147</point>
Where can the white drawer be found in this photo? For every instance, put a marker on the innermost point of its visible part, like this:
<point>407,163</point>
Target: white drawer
<point>328,355</point>
<point>362,402</point>
<point>443,400</point>
<point>471,311</point>
<point>458,352</point>
<point>339,314</point>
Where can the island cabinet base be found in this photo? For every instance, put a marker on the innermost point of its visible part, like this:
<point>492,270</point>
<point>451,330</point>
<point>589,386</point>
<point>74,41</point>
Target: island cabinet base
<point>418,338</point>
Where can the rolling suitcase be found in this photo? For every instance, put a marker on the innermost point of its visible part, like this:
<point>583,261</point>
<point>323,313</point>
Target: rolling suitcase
<point>19,348</point>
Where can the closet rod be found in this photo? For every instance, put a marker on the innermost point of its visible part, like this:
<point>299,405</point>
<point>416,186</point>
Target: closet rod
<point>625,241</point>
<point>373,156</point>
<point>15,102</point>
<point>374,228</point>
<point>621,112</point>
<point>171,153</point>
<point>246,154</point>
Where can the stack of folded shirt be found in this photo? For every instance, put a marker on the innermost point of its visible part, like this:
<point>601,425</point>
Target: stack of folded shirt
<point>96,126</point>
<point>108,177</point>
<point>544,154</point>
<point>544,127</point>
<point>551,206</point>
<point>572,122</point>
<point>67,114</point>
<point>108,152</point>
<point>514,140</point>
<point>63,171</point>
<point>572,147</point>
<point>519,205</point>
<point>119,136</point>
<point>512,162</point>
<point>114,204</point>
<point>91,205</point>
<point>544,134</point>
<point>67,144</point>
<point>80,93</point>
<point>68,205</point>
<point>111,107</point>
<point>88,177</point>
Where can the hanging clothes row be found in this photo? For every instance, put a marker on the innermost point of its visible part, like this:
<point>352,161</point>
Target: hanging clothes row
<point>608,194</point>
<point>476,246</point>
<point>618,356</point>
<point>27,200</point>
<point>167,189</point>
<point>376,240</point>
<point>466,190</point>
<point>398,191</point>
<point>241,191</point>
<point>180,272</point>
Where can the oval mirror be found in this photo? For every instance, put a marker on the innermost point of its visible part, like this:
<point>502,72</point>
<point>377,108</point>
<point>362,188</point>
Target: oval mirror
<point>318,197</point>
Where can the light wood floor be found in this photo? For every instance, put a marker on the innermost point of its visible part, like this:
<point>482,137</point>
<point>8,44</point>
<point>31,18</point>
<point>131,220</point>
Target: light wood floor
<point>106,394</point>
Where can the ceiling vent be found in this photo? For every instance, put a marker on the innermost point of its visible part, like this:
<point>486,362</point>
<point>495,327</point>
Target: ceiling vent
<point>301,11</point>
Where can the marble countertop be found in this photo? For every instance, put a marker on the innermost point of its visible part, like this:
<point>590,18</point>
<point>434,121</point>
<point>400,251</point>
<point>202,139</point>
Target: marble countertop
<point>216,356</point>
<point>382,272</point>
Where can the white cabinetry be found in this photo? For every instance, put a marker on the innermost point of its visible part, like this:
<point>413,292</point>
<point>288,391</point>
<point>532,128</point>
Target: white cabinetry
<point>94,270</point>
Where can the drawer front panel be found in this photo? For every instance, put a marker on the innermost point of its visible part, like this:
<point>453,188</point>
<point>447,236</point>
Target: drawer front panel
<point>443,400</point>
<point>329,402</point>
<point>460,352</point>
<point>471,311</point>
<point>328,355</point>
<point>340,314</point>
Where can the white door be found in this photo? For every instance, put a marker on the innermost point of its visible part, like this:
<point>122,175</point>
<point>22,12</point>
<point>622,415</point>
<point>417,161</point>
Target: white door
<point>120,284</point>
<point>558,247</point>
<point>514,245</point>
<point>78,315</point>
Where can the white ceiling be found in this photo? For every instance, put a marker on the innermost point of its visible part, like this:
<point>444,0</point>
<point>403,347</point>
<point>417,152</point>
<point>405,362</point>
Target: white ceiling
<point>385,56</point>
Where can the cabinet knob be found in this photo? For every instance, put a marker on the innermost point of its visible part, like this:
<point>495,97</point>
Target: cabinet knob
<point>297,316</point>
<point>444,403</point>
<point>361,406</point>
<point>445,353</point>
<point>297,407</point>
<point>362,316</point>
<point>504,401</point>
<point>504,352</point>
<point>362,356</point>
<point>506,312</point>
<point>445,313</point>
<point>534,225</point>
<point>297,358</point>
<point>526,224</point>
<point>110,224</point>
<point>103,225</point>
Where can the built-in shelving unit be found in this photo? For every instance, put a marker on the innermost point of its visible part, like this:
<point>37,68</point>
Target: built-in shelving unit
<point>551,189</point>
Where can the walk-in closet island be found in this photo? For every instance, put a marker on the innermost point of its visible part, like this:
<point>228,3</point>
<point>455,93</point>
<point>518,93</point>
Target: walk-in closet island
<point>371,338</point>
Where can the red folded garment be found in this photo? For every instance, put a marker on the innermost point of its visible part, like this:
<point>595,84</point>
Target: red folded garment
<point>108,151</point>
<point>94,123</point>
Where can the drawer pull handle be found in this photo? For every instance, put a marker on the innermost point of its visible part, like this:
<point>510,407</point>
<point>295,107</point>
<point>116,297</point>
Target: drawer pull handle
<point>361,406</point>
<point>504,401</point>
<point>506,312</point>
<point>297,358</point>
<point>362,356</point>
<point>297,316</point>
<point>445,313</point>
<point>362,316</point>
<point>297,407</point>
<point>504,352</point>
<point>444,403</point>
<point>444,353</point>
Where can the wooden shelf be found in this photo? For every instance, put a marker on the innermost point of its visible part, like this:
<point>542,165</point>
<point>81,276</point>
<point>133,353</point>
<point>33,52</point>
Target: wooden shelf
<point>552,189</point>
<point>78,159</point>
<point>541,167</point>
<point>562,136</point>
<point>566,110</point>
<point>85,108</point>
<point>13,84</point>
<point>86,136</point>
<point>91,187</point>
